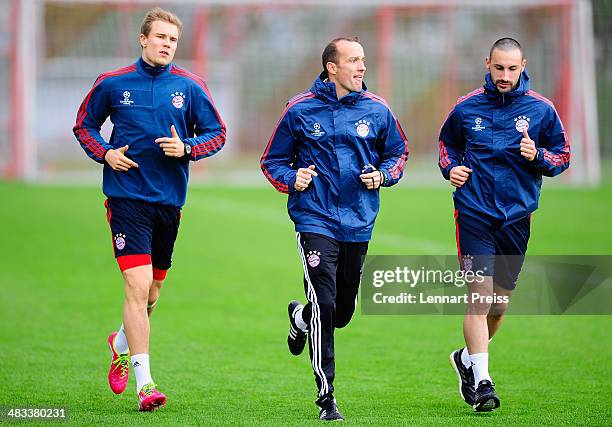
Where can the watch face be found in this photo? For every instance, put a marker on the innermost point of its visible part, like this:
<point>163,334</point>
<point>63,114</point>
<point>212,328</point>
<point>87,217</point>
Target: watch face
<point>187,149</point>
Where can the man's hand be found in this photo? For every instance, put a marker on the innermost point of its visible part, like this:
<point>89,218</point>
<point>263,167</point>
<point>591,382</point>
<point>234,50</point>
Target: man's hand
<point>173,146</point>
<point>303,178</point>
<point>458,175</point>
<point>528,148</point>
<point>372,180</point>
<point>117,160</point>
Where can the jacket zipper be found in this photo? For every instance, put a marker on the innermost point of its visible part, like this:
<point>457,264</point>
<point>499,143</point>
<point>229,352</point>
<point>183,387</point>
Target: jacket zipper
<point>153,91</point>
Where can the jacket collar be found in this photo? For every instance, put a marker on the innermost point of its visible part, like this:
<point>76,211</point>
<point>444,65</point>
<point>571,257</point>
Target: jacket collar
<point>150,70</point>
<point>326,90</point>
<point>521,88</point>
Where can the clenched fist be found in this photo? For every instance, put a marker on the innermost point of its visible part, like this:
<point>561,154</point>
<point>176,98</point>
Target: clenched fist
<point>528,148</point>
<point>303,177</point>
<point>459,175</point>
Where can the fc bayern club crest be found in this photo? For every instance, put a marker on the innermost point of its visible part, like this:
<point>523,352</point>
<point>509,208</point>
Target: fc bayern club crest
<point>178,99</point>
<point>363,128</point>
<point>467,262</point>
<point>521,123</point>
<point>120,241</point>
<point>314,259</point>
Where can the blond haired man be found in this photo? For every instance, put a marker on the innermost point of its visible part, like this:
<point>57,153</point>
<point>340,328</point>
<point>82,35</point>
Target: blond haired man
<point>163,117</point>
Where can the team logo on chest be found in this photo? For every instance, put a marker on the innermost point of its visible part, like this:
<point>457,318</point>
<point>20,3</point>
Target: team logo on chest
<point>119,241</point>
<point>126,98</point>
<point>313,258</point>
<point>521,123</point>
<point>317,130</point>
<point>178,99</point>
<point>478,125</point>
<point>363,128</point>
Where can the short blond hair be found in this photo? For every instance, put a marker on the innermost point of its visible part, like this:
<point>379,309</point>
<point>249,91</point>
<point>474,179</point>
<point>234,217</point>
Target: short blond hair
<point>159,14</point>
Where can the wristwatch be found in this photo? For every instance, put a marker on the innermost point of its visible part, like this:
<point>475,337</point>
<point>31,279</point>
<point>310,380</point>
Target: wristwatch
<point>383,178</point>
<point>187,149</point>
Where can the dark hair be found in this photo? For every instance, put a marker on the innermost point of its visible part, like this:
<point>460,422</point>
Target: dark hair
<point>506,44</point>
<point>330,53</point>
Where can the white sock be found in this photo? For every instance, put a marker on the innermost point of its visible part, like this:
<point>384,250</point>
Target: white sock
<point>480,364</point>
<point>120,343</point>
<point>140,362</point>
<point>297,316</point>
<point>465,358</point>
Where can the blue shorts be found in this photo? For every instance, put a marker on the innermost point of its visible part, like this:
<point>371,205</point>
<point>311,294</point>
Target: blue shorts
<point>497,250</point>
<point>143,233</point>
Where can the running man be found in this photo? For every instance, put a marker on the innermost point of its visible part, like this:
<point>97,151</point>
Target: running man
<point>331,151</point>
<point>163,117</point>
<point>495,146</point>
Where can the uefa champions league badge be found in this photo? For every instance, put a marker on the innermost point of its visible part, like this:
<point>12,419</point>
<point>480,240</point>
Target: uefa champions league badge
<point>363,128</point>
<point>313,258</point>
<point>126,98</point>
<point>478,125</point>
<point>317,130</point>
<point>119,241</point>
<point>178,99</point>
<point>521,123</point>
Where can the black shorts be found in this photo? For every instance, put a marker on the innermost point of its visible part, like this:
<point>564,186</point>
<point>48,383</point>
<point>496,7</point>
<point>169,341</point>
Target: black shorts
<point>143,233</point>
<point>497,250</point>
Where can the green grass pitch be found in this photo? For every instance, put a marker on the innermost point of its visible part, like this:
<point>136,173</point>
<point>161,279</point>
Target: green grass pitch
<point>219,330</point>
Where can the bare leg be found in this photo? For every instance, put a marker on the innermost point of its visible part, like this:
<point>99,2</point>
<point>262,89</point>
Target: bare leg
<point>496,314</point>
<point>475,329</point>
<point>138,281</point>
<point>154,292</point>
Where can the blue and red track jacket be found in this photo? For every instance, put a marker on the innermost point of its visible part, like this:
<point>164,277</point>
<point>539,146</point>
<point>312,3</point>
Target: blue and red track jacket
<point>339,137</point>
<point>143,102</point>
<point>484,131</point>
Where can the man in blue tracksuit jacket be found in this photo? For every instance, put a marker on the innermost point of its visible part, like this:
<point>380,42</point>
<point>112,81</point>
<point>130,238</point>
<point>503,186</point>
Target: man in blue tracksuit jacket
<point>163,117</point>
<point>495,146</point>
<point>332,150</point>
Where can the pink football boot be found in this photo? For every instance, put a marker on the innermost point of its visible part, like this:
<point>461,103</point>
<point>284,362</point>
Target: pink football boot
<point>119,368</point>
<point>150,398</point>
